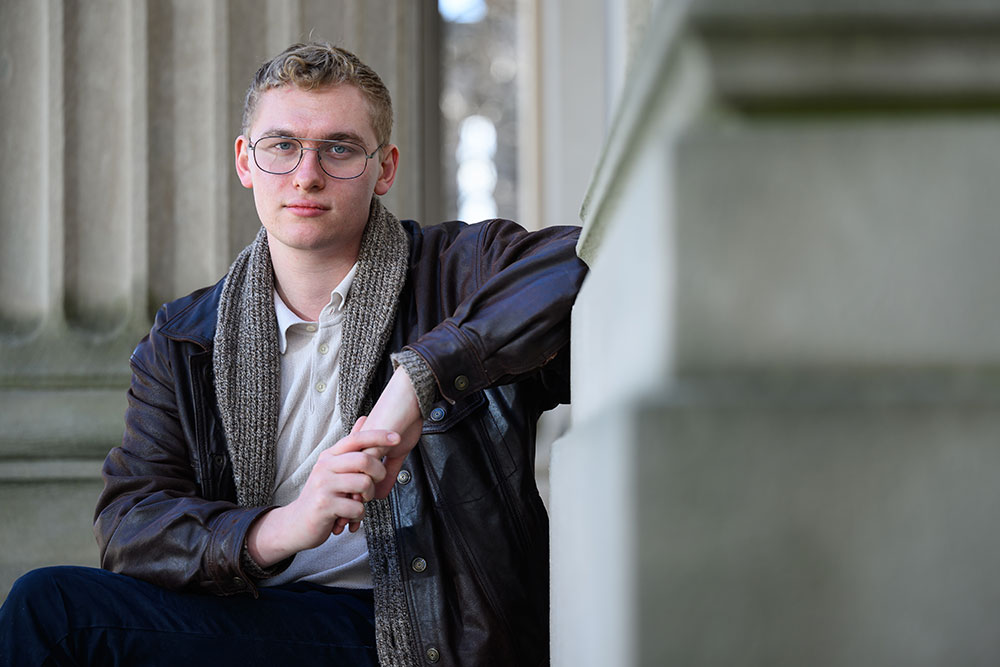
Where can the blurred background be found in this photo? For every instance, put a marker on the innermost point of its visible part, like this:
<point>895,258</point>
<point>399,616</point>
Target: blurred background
<point>783,446</point>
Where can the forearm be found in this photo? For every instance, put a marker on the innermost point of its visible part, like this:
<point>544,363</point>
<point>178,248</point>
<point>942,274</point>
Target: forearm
<point>397,410</point>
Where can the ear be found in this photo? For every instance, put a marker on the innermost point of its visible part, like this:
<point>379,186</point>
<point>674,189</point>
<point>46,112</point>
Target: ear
<point>387,169</point>
<point>243,161</point>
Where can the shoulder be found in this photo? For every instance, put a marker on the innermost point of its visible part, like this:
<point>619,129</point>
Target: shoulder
<point>485,233</point>
<point>191,318</point>
<point>455,236</point>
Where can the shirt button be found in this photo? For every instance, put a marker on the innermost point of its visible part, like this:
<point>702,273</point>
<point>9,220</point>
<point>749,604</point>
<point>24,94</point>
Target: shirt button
<point>461,383</point>
<point>418,564</point>
<point>437,414</point>
<point>433,655</point>
<point>310,328</point>
<point>324,348</point>
<point>403,477</point>
<point>321,387</point>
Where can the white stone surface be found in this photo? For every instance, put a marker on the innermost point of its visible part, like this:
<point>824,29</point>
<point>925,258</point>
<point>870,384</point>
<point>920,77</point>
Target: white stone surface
<point>785,396</point>
<point>778,534</point>
<point>827,243</point>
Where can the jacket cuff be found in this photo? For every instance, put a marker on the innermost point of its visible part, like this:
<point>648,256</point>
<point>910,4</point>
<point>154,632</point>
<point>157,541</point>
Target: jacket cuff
<point>421,376</point>
<point>456,368</point>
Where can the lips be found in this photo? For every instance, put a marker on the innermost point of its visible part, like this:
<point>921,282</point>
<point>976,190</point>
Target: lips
<point>306,208</point>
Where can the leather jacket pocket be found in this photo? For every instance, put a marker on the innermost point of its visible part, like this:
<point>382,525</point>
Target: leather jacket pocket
<point>460,454</point>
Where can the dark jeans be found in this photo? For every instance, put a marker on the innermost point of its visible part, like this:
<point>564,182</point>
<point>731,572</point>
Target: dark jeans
<point>84,616</point>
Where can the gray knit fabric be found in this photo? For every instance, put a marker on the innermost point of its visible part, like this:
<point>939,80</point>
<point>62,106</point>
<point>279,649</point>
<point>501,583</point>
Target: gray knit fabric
<point>247,385</point>
<point>246,361</point>
<point>421,376</point>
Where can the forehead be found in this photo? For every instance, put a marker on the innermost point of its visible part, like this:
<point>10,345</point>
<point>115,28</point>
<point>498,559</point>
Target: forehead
<point>315,114</point>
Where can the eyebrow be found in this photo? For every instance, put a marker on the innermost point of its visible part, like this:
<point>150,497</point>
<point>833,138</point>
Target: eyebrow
<point>331,136</point>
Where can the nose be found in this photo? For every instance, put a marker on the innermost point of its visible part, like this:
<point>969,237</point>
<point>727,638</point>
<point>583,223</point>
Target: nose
<point>309,175</point>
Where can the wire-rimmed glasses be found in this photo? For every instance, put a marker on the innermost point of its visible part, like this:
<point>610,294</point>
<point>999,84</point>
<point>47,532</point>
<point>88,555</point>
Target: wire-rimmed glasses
<point>338,159</point>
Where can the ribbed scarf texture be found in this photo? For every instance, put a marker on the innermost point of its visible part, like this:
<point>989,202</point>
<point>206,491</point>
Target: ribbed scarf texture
<point>247,386</point>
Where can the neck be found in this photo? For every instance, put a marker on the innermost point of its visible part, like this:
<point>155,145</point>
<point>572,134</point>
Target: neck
<point>304,280</point>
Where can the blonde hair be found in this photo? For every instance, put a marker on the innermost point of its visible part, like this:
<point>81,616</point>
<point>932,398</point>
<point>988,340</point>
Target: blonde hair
<point>317,65</point>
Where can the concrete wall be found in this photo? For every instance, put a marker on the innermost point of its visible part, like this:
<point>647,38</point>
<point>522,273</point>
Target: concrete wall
<point>786,400</point>
<point>118,193</point>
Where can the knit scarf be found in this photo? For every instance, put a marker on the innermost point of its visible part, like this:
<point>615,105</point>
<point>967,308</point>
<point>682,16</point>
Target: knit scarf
<point>247,386</point>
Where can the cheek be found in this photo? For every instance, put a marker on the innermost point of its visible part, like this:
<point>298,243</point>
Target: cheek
<point>263,198</point>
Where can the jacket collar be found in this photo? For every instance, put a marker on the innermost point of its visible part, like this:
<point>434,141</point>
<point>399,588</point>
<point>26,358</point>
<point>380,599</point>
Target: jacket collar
<point>193,318</point>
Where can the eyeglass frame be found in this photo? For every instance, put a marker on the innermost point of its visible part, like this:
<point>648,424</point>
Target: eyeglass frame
<point>302,151</point>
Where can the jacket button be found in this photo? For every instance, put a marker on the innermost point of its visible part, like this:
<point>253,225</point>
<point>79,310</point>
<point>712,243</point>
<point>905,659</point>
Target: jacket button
<point>418,564</point>
<point>239,583</point>
<point>461,383</point>
<point>403,477</point>
<point>433,655</point>
<point>437,414</point>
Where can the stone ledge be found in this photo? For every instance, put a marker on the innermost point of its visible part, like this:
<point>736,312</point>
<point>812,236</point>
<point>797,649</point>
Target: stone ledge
<point>60,470</point>
<point>49,423</point>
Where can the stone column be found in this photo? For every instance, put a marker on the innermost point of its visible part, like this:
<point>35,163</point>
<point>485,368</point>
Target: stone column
<point>786,403</point>
<point>118,193</point>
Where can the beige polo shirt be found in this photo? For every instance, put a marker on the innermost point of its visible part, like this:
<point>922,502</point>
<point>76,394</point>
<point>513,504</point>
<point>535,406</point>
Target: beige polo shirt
<point>309,421</point>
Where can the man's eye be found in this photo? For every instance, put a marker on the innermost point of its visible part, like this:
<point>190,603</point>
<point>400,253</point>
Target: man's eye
<point>340,151</point>
<point>280,146</point>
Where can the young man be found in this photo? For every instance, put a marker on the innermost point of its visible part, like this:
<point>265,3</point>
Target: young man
<point>350,371</point>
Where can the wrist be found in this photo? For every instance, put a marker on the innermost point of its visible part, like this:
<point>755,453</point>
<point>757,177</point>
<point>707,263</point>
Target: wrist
<point>421,379</point>
<point>262,542</point>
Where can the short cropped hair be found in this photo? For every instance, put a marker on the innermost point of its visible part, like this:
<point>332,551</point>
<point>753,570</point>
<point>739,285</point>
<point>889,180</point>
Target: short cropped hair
<point>318,65</point>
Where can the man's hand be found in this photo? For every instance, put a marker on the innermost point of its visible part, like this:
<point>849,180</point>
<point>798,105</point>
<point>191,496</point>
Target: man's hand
<point>343,478</point>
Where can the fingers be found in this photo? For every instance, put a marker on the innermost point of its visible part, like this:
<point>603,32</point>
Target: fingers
<point>360,440</point>
<point>355,486</point>
<point>351,469</point>
<point>351,524</point>
<point>352,519</point>
<point>352,462</point>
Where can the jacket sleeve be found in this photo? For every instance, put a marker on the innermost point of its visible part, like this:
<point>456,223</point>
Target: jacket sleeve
<point>512,312</point>
<point>151,521</point>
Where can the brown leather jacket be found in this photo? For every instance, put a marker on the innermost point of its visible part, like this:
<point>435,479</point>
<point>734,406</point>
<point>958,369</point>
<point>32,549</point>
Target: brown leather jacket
<point>489,302</point>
